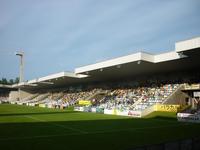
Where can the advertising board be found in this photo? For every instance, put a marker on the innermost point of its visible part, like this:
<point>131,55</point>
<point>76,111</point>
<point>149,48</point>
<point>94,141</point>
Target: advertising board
<point>187,117</point>
<point>168,108</point>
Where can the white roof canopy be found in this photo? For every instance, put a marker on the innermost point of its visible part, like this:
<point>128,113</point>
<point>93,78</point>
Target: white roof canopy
<point>186,53</point>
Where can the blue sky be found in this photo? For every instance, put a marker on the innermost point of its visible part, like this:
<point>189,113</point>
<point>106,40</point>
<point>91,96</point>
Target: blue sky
<point>60,35</point>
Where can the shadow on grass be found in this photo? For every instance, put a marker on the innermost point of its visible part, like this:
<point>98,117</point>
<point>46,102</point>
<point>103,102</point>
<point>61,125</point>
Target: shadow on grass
<point>164,118</point>
<point>96,134</point>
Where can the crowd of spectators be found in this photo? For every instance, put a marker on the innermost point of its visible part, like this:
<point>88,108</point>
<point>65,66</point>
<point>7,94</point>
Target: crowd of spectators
<point>3,99</point>
<point>134,94</point>
<point>125,99</point>
<point>61,99</point>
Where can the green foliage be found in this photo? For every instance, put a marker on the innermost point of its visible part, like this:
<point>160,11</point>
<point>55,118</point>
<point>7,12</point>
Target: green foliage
<point>4,81</point>
<point>16,80</point>
<point>9,82</point>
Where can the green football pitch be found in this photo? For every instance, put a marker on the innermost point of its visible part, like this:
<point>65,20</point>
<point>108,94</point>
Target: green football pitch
<point>23,127</point>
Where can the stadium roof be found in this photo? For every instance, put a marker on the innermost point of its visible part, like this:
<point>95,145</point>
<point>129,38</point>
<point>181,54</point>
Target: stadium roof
<point>185,57</point>
<point>5,86</point>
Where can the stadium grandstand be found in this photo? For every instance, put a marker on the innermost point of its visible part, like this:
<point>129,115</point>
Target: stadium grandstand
<point>139,86</point>
<point>128,85</point>
<point>4,93</point>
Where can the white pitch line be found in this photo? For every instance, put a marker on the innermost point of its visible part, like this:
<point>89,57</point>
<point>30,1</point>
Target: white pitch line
<point>56,124</point>
<point>34,118</point>
<point>88,133</point>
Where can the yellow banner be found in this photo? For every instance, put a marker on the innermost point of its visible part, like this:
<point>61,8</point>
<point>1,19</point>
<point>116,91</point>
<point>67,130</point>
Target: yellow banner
<point>192,86</point>
<point>84,102</point>
<point>41,105</point>
<point>169,108</point>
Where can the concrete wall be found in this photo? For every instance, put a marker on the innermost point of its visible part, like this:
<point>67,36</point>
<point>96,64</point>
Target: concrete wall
<point>178,97</point>
<point>14,95</point>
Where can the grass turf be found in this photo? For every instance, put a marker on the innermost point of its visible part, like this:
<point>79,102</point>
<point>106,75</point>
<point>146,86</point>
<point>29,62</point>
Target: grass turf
<point>23,127</point>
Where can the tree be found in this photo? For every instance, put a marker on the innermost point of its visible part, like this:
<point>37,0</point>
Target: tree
<point>11,81</point>
<point>4,81</point>
<point>16,80</point>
